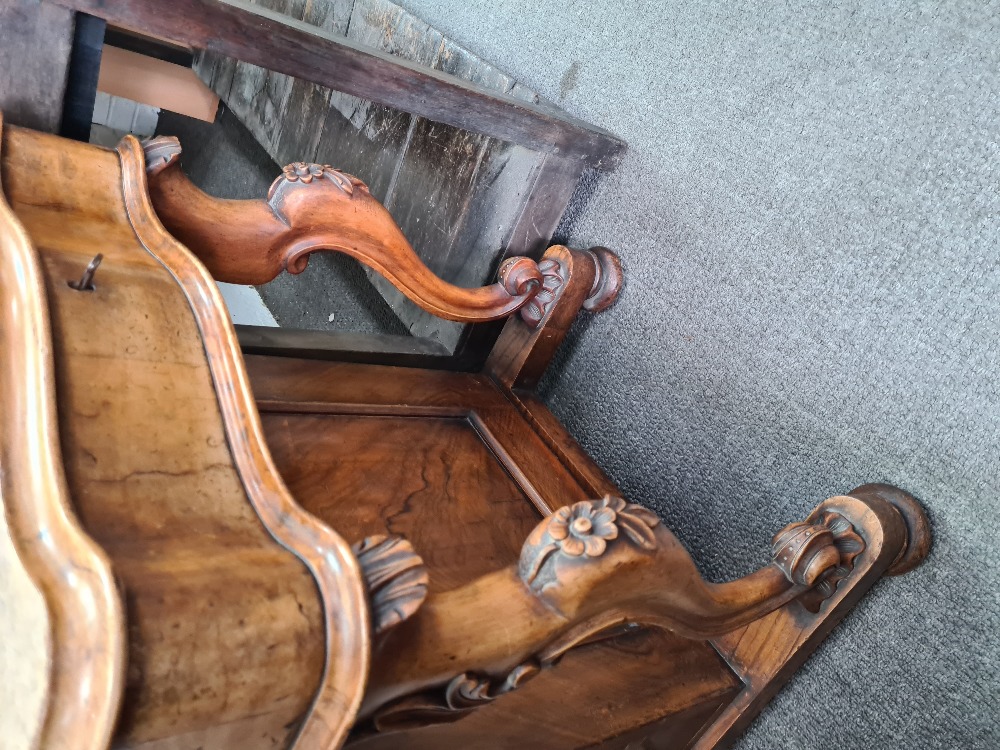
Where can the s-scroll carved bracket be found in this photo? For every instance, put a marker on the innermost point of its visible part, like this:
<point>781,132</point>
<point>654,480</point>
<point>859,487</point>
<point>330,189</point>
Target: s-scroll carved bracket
<point>601,567</point>
<point>315,208</point>
<point>395,577</point>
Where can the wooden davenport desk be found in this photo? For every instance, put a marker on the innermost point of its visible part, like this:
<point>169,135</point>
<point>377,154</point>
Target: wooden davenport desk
<point>203,550</point>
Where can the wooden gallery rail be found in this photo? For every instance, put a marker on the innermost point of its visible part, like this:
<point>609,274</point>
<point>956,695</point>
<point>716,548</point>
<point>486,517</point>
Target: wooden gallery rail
<point>561,147</point>
<point>233,552</point>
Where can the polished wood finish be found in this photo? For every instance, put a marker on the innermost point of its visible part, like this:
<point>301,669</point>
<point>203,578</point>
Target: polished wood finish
<point>257,35</point>
<point>313,387</point>
<point>464,200</point>
<point>398,475</point>
<point>610,693</point>
<point>376,432</point>
<point>215,558</point>
<point>309,208</point>
<point>86,623</point>
<point>519,600</point>
<point>767,652</point>
<point>572,281</point>
<point>587,568</point>
<point>334,568</point>
<point>502,173</point>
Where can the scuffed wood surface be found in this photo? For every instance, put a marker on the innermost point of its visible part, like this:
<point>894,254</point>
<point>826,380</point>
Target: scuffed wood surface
<point>85,619</point>
<point>141,427</point>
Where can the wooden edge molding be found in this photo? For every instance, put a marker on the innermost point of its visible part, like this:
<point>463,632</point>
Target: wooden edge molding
<point>312,208</point>
<point>330,559</point>
<point>887,527</point>
<point>85,609</point>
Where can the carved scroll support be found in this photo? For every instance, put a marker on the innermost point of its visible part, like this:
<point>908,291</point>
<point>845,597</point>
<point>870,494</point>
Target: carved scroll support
<point>817,554</point>
<point>592,568</point>
<point>572,280</point>
<point>766,652</point>
<point>311,208</point>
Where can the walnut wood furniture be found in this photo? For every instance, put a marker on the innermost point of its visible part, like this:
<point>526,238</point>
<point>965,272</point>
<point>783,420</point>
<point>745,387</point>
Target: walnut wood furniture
<point>253,552</point>
<point>501,165</point>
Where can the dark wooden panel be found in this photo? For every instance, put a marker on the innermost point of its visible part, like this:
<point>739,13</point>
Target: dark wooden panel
<point>443,176</point>
<point>265,92</point>
<point>265,38</point>
<point>432,481</point>
<point>34,58</point>
<point>370,149</point>
<point>299,135</point>
<point>309,386</point>
<point>663,684</point>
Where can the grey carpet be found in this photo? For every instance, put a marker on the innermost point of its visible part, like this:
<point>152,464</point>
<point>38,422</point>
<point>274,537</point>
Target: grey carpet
<point>809,219</point>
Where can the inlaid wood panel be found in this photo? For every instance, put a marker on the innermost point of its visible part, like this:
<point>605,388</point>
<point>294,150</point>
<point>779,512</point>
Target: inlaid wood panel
<point>430,480</point>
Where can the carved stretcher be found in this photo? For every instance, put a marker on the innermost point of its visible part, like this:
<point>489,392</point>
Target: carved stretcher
<point>185,515</point>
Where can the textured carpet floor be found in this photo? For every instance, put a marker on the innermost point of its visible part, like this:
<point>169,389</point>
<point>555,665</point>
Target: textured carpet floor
<point>809,218</point>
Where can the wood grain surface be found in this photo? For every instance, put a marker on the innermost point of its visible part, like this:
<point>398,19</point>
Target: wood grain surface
<point>432,481</point>
<point>82,686</point>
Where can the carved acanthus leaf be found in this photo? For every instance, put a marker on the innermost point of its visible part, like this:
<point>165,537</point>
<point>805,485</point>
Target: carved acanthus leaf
<point>462,695</point>
<point>160,152</point>
<point>553,278</point>
<point>396,579</point>
<point>306,173</point>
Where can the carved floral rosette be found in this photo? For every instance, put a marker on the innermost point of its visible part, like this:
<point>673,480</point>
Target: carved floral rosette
<point>301,175</point>
<point>580,532</point>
